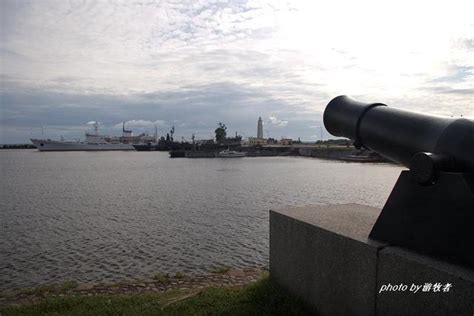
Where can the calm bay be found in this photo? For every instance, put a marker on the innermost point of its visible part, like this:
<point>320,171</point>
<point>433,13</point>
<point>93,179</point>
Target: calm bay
<point>109,216</point>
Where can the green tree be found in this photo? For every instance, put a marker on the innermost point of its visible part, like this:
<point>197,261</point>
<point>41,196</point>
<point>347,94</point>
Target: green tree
<point>221,133</point>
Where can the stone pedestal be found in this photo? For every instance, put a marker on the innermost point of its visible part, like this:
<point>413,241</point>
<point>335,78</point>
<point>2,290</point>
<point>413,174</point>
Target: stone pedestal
<point>322,254</point>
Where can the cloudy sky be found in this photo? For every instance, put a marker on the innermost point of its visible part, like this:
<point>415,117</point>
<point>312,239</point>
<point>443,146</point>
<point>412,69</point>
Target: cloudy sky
<point>194,63</point>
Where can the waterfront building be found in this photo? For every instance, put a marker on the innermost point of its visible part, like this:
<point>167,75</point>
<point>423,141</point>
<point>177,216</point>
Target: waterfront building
<point>257,141</point>
<point>285,141</point>
<point>260,128</point>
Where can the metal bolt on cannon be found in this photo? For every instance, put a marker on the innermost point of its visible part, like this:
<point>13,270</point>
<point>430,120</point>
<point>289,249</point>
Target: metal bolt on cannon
<point>431,207</point>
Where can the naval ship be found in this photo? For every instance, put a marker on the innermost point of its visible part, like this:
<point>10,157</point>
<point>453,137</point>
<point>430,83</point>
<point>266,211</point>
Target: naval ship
<point>95,142</point>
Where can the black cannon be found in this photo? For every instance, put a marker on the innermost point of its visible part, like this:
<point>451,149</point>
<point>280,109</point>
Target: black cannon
<point>431,208</point>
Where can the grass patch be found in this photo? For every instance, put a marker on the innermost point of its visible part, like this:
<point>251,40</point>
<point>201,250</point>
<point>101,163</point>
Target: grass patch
<point>51,288</point>
<point>261,298</point>
<point>41,290</point>
<point>179,275</point>
<point>220,270</point>
<point>69,285</point>
<point>162,278</point>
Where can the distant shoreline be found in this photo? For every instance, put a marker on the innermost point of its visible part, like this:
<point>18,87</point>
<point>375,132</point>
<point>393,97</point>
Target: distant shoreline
<point>329,152</point>
<point>17,146</point>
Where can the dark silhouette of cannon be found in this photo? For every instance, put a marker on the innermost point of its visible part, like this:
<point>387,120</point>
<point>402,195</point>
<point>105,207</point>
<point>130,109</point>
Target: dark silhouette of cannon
<point>431,208</point>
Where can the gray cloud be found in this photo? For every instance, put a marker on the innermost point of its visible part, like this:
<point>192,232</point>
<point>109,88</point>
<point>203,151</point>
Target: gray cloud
<point>193,109</point>
<point>449,90</point>
<point>192,64</point>
<point>456,73</point>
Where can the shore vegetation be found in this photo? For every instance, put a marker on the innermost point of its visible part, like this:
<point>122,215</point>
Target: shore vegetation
<point>263,297</point>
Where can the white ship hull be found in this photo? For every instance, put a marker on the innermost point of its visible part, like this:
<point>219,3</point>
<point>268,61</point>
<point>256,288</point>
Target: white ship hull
<point>52,145</point>
<point>230,154</point>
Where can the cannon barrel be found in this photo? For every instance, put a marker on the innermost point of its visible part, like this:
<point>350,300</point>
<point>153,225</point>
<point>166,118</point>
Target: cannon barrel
<point>418,141</point>
<point>430,209</point>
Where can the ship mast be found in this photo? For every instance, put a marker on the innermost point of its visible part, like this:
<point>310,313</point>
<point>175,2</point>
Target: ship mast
<point>125,133</point>
<point>171,133</point>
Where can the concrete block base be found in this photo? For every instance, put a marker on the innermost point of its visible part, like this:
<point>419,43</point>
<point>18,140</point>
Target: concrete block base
<point>443,288</point>
<point>322,254</point>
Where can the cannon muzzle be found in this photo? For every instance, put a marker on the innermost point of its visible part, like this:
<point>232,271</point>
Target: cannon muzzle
<point>424,143</point>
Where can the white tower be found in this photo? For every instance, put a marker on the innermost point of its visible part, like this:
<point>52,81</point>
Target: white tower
<point>260,128</point>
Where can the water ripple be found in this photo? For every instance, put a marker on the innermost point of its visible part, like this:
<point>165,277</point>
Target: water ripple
<point>103,217</point>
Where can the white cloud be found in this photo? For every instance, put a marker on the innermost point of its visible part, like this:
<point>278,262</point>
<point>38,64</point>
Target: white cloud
<point>276,122</point>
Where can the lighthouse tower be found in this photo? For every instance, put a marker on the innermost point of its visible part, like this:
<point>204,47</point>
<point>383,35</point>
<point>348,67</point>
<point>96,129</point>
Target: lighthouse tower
<point>260,128</point>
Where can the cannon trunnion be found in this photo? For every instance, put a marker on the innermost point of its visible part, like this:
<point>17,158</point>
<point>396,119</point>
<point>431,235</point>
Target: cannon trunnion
<point>431,208</point>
